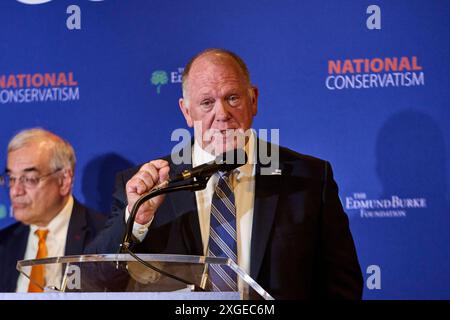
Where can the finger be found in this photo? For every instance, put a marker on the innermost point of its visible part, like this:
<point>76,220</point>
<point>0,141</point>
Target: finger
<point>148,170</point>
<point>136,185</point>
<point>164,174</point>
<point>150,177</point>
<point>159,163</point>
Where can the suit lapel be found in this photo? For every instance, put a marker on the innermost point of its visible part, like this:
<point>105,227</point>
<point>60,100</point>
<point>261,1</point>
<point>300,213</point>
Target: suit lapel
<point>21,236</point>
<point>266,198</point>
<point>17,253</point>
<point>77,232</point>
<point>267,188</point>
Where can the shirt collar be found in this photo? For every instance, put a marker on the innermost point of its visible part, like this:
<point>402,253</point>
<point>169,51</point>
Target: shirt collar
<point>201,156</point>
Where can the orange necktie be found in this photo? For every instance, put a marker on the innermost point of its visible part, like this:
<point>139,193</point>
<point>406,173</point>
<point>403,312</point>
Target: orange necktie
<point>38,271</point>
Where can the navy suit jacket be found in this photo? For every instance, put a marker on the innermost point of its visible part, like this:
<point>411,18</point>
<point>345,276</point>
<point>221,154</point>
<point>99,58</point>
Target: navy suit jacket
<point>301,246</point>
<point>83,226</point>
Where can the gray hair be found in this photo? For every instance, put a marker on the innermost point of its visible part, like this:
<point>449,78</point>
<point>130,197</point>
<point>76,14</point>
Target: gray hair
<point>62,153</point>
<point>223,52</point>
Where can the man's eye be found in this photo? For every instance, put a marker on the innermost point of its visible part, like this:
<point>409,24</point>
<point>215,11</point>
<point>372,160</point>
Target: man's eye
<point>233,100</point>
<point>31,180</point>
<point>206,103</point>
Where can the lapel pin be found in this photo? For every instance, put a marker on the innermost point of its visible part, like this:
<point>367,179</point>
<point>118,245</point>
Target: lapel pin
<point>277,172</point>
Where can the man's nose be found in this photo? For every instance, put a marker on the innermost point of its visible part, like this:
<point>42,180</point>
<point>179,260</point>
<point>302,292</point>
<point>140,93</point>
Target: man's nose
<point>222,113</point>
<point>17,189</point>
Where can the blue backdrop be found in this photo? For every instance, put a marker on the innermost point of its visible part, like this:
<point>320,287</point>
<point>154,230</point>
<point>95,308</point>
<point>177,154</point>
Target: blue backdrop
<point>365,88</point>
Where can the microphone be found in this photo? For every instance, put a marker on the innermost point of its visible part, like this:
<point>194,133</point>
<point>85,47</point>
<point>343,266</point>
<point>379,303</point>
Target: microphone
<point>227,161</point>
<point>224,162</point>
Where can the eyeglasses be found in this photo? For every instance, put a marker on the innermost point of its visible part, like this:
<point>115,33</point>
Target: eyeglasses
<point>29,181</point>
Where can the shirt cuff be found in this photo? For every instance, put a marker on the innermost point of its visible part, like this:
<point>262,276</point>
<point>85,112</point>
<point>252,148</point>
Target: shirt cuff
<point>139,230</point>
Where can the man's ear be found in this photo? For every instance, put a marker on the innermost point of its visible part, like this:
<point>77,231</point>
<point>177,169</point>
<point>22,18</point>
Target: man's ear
<point>184,106</point>
<point>254,99</point>
<point>66,182</point>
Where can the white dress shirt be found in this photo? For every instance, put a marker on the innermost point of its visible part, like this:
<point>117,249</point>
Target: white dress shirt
<point>243,183</point>
<point>56,244</point>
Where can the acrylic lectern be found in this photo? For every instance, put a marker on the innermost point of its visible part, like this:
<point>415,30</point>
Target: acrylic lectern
<point>156,275</point>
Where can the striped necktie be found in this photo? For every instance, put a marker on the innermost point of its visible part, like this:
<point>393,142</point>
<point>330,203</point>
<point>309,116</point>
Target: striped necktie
<point>38,271</point>
<point>222,235</point>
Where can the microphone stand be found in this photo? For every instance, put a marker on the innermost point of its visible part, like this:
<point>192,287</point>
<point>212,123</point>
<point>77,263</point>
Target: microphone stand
<point>159,190</point>
<point>164,188</point>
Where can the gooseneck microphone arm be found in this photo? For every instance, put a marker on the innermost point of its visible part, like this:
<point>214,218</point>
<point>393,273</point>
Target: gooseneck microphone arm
<point>197,179</point>
<point>226,161</point>
<point>162,188</point>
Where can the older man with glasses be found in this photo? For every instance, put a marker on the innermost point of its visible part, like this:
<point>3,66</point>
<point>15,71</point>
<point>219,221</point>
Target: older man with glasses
<point>40,175</point>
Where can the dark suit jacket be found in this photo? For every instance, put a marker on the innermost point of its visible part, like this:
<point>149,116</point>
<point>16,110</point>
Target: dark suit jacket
<point>301,246</point>
<point>83,226</point>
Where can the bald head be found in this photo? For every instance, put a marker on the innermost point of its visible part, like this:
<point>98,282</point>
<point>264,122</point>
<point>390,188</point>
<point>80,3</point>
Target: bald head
<point>217,57</point>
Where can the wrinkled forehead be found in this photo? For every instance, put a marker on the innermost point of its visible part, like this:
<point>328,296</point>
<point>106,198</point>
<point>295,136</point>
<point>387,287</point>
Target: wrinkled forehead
<point>33,156</point>
<point>210,71</point>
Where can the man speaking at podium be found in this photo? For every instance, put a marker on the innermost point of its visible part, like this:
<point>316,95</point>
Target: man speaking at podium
<point>287,229</point>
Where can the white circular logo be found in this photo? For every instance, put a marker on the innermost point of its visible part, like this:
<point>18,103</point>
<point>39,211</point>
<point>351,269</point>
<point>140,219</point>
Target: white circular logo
<point>44,1</point>
<point>34,1</point>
